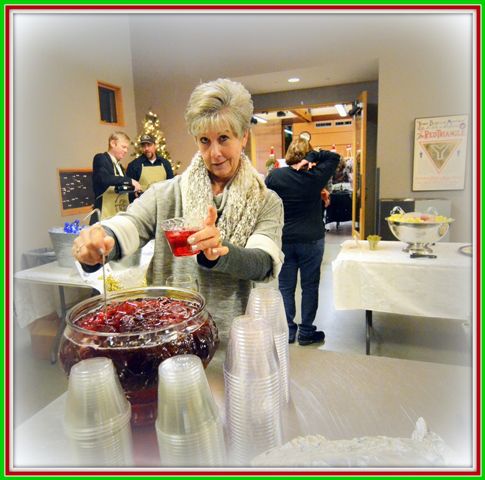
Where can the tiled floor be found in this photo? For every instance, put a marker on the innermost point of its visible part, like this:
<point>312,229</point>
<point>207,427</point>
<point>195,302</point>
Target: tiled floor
<point>37,382</point>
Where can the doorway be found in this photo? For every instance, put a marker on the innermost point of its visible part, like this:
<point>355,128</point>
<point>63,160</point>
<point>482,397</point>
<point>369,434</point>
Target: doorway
<point>273,131</point>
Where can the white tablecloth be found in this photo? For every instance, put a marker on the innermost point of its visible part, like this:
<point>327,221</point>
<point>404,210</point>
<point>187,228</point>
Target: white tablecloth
<point>339,396</point>
<point>388,280</point>
<point>36,293</point>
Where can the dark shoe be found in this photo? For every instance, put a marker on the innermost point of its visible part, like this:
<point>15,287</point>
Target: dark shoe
<point>291,337</point>
<point>314,337</point>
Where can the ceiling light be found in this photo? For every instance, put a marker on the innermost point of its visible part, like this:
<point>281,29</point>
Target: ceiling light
<point>341,110</point>
<point>288,131</point>
<point>293,80</point>
<point>260,119</point>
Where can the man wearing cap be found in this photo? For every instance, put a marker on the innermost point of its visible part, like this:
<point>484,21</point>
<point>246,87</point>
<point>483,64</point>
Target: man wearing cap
<point>109,178</point>
<point>148,168</point>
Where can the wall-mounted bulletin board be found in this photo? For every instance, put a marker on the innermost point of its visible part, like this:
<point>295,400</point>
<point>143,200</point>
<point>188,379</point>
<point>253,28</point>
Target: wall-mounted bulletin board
<point>76,189</point>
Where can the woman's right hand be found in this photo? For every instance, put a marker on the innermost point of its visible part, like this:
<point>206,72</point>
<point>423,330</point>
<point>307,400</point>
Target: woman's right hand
<point>303,165</point>
<point>91,245</point>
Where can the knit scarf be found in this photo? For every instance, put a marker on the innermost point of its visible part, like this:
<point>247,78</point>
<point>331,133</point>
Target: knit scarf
<point>242,198</point>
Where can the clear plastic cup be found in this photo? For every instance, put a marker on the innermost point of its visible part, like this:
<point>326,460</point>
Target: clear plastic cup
<point>250,351</point>
<point>189,429</point>
<point>183,280</point>
<point>97,415</point>
<point>177,231</point>
<point>266,303</point>
<point>113,450</point>
<point>204,448</point>
<point>252,390</point>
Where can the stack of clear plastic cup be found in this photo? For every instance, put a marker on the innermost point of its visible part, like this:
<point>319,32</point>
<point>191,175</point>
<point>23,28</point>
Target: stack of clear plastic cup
<point>252,390</point>
<point>97,415</point>
<point>189,429</point>
<point>266,303</point>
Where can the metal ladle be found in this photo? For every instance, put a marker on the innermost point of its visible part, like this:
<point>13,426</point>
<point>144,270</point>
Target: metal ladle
<point>101,252</point>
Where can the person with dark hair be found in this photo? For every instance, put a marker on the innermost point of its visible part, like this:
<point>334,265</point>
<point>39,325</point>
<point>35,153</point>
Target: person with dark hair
<point>300,186</point>
<point>148,168</point>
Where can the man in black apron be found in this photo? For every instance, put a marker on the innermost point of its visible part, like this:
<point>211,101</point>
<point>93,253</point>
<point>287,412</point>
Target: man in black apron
<point>108,173</point>
<point>148,168</point>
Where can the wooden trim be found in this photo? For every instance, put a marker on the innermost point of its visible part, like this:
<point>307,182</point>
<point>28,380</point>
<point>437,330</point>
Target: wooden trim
<point>360,129</point>
<point>302,113</point>
<point>363,146</point>
<point>306,106</point>
<point>118,102</point>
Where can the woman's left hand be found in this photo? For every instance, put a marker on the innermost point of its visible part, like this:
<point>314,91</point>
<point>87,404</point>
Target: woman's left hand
<point>208,239</point>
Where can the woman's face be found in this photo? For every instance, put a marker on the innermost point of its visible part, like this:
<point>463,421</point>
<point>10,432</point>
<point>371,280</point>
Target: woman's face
<point>221,152</point>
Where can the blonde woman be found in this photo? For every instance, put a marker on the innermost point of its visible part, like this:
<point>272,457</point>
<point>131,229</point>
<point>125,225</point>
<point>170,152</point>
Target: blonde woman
<point>299,187</point>
<point>241,239</point>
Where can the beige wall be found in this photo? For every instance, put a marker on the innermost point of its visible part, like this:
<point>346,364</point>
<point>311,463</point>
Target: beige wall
<point>426,80</point>
<point>57,60</point>
<point>168,100</point>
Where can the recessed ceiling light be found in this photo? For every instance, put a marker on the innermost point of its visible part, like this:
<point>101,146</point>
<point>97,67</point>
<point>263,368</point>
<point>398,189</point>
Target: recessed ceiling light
<point>293,80</point>
<point>341,110</point>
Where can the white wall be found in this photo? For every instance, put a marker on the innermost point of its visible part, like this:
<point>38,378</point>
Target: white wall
<point>426,79</point>
<point>57,60</point>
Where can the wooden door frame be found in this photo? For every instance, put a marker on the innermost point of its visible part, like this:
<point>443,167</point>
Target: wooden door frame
<point>360,233</point>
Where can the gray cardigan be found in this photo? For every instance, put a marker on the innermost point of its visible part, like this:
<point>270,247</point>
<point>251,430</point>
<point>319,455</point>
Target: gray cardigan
<point>227,283</point>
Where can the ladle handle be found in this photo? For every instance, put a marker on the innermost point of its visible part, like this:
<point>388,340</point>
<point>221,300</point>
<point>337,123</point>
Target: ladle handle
<point>96,210</point>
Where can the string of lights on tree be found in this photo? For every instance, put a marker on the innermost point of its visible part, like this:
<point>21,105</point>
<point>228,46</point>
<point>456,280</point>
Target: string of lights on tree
<point>151,126</point>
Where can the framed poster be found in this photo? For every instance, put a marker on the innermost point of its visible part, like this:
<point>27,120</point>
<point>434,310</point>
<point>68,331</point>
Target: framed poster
<point>440,153</point>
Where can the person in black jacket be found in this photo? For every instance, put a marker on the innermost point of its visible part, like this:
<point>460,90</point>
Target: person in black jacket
<point>299,187</point>
<point>148,168</point>
<point>108,176</point>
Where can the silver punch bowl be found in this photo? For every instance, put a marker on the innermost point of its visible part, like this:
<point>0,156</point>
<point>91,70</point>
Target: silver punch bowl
<point>418,236</point>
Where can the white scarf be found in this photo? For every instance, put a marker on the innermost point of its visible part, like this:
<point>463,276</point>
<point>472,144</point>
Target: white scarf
<point>242,198</point>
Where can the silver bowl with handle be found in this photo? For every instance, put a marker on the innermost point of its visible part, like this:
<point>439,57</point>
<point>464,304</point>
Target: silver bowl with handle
<point>418,230</point>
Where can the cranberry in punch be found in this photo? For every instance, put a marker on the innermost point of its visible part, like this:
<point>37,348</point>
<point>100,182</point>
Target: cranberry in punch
<point>139,329</point>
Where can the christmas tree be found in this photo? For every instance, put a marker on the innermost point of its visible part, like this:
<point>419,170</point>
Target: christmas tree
<point>151,126</point>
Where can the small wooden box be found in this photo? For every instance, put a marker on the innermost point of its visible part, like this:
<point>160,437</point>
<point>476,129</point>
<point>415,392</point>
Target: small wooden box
<point>42,334</point>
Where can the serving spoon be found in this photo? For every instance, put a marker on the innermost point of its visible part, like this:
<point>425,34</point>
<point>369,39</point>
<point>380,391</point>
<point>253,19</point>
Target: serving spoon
<point>101,251</point>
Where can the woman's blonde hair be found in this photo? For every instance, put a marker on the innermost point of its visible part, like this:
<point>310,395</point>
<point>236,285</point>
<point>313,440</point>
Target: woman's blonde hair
<point>297,151</point>
<point>219,104</point>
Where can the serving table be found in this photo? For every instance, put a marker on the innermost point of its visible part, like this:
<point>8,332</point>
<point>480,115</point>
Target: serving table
<point>31,302</point>
<point>339,396</point>
<point>388,280</point>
